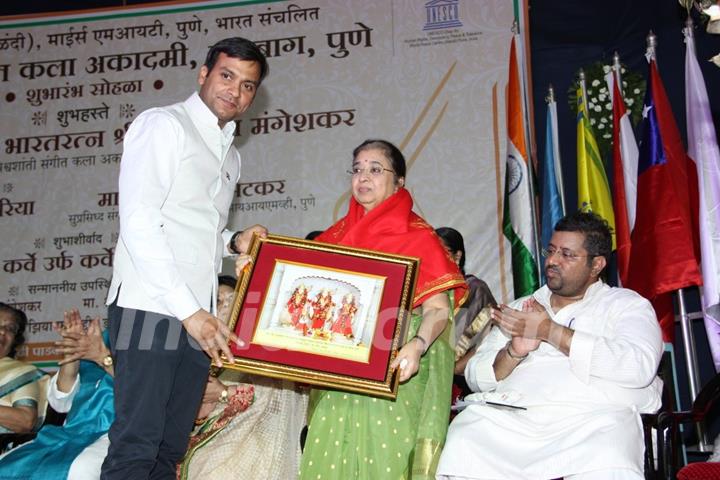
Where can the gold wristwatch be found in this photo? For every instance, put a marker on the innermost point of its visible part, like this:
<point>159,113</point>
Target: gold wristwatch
<point>107,361</point>
<point>224,396</point>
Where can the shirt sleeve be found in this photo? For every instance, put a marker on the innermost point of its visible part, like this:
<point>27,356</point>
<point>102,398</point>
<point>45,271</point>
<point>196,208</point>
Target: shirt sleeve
<point>61,401</point>
<point>627,354</point>
<point>227,236</point>
<point>479,371</point>
<point>150,162</point>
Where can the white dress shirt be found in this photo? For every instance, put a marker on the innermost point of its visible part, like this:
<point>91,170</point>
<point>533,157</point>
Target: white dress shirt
<point>177,179</point>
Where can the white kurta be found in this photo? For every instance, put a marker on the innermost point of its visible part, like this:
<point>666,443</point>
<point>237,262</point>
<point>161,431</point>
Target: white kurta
<point>582,410</point>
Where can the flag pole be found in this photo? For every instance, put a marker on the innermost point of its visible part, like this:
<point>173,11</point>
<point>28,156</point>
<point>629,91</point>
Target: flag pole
<point>688,337</point>
<point>618,68</point>
<point>651,41</point>
<point>617,78</point>
<point>581,79</point>
<point>691,362</point>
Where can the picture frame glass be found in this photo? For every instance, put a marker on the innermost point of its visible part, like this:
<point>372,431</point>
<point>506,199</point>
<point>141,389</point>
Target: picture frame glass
<point>320,311</point>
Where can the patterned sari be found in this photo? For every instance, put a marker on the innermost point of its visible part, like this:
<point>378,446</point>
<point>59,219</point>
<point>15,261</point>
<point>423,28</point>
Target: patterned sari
<point>357,436</point>
<point>260,441</point>
<point>18,386</point>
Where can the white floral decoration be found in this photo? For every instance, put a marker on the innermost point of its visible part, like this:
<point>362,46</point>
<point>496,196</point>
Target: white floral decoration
<point>599,100</point>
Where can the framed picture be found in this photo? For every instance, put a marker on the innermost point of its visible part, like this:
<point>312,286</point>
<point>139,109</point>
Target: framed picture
<point>322,314</point>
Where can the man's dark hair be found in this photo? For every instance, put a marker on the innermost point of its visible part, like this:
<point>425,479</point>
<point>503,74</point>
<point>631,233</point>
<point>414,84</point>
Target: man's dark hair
<point>20,320</point>
<point>227,280</point>
<point>598,238</point>
<point>237,47</point>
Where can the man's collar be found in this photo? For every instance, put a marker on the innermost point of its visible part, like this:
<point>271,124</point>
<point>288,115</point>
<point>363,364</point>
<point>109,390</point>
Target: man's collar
<point>544,294</point>
<point>202,115</point>
<point>593,289</point>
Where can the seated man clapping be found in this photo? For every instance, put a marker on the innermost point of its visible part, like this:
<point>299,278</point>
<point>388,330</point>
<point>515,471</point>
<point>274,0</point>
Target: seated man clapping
<point>572,366</point>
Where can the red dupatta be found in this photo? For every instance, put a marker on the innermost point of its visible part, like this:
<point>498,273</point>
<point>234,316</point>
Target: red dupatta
<point>393,227</point>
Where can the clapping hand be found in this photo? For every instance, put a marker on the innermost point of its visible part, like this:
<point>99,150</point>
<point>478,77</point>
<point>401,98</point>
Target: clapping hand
<point>526,327</point>
<point>77,343</point>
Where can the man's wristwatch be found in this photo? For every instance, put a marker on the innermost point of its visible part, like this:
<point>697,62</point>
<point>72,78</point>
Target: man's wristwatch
<point>107,361</point>
<point>234,237</point>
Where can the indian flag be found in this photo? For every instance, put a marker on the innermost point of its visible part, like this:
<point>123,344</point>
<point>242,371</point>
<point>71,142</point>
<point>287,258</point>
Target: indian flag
<point>518,218</point>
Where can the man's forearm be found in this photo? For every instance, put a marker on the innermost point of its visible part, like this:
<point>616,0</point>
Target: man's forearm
<point>559,337</point>
<point>505,363</point>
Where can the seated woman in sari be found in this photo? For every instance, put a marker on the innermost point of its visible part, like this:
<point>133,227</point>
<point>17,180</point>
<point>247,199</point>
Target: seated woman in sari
<point>19,390</point>
<point>82,388</point>
<point>358,436</point>
<point>470,328</point>
<point>249,426</point>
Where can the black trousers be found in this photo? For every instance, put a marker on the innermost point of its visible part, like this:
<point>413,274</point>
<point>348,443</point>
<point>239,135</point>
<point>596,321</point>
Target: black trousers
<point>160,376</point>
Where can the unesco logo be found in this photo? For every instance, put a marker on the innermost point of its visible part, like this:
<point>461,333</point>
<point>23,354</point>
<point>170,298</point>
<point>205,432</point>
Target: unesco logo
<point>442,14</point>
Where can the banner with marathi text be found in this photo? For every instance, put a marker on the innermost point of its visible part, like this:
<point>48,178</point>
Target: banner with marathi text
<point>428,75</point>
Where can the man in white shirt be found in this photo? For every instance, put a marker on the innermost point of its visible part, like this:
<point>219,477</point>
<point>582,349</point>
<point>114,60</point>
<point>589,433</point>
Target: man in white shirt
<point>579,356</point>
<point>178,175</point>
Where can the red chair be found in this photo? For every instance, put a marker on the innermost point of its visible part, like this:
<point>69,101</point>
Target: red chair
<point>668,424</point>
<point>700,471</point>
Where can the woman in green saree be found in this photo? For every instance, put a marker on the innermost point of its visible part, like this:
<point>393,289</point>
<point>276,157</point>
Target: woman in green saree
<point>358,436</point>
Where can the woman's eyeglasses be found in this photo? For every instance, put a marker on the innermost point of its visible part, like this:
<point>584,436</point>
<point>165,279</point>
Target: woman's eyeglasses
<point>374,171</point>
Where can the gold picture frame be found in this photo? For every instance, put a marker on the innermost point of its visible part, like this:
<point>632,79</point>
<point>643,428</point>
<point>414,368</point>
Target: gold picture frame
<point>322,314</point>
